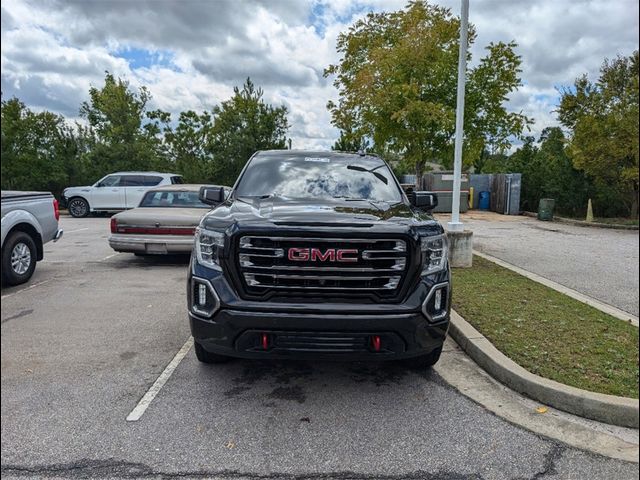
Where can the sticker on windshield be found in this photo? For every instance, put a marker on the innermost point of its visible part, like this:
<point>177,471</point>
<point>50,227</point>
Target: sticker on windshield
<point>317,159</point>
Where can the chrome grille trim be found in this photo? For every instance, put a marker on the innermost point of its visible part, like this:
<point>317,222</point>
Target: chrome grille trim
<point>243,243</point>
<point>264,267</point>
<point>252,281</point>
<point>399,266</point>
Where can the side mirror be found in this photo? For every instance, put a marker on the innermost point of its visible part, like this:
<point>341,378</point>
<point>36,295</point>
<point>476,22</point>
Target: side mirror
<point>211,195</point>
<point>424,200</point>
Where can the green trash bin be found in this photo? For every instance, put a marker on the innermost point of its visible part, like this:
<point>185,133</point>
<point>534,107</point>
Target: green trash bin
<point>545,209</point>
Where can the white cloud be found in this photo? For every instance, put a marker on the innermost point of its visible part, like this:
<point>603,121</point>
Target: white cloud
<point>53,51</point>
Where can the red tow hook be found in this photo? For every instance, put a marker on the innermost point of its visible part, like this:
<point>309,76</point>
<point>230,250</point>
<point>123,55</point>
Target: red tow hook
<point>265,341</point>
<point>375,342</point>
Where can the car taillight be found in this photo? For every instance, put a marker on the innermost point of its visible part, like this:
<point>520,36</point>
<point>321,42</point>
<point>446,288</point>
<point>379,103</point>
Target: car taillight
<point>114,225</point>
<point>56,209</point>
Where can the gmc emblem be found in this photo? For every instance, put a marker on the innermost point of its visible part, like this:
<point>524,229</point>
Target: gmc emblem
<point>317,255</point>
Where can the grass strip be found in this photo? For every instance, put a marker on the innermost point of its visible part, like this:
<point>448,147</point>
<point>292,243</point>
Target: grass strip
<point>546,332</point>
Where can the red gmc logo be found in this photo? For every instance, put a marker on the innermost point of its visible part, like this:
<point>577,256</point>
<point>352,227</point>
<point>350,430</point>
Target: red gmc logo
<point>317,255</point>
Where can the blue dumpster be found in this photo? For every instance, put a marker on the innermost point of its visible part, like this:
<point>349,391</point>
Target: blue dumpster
<point>484,200</point>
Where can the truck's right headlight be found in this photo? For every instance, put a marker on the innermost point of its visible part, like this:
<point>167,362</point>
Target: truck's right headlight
<point>209,245</point>
<point>434,253</point>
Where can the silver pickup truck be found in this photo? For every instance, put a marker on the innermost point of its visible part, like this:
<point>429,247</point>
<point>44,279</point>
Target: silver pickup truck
<point>29,220</point>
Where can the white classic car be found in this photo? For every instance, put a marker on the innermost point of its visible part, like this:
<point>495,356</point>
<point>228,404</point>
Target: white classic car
<point>164,222</point>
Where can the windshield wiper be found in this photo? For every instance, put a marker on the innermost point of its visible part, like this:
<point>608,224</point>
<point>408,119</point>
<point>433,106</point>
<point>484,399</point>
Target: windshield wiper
<point>378,175</point>
<point>355,199</point>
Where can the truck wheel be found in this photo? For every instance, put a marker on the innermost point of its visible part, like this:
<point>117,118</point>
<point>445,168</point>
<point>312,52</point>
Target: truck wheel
<point>208,357</point>
<point>18,258</point>
<point>424,361</point>
<point>78,207</point>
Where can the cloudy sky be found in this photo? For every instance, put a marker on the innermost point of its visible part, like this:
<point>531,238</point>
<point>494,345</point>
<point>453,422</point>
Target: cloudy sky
<point>191,53</point>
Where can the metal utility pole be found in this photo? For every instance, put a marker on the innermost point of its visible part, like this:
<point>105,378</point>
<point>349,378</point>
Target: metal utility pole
<point>455,225</point>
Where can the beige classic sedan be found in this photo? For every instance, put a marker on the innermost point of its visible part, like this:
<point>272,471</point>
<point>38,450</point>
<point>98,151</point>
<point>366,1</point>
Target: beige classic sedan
<point>164,221</point>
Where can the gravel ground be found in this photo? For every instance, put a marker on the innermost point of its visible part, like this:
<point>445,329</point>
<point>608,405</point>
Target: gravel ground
<point>84,340</point>
<point>598,262</point>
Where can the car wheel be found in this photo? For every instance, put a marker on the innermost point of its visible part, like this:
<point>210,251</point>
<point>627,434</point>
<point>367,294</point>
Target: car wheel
<point>78,207</point>
<point>424,361</point>
<point>208,357</point>
<point>18,258</point>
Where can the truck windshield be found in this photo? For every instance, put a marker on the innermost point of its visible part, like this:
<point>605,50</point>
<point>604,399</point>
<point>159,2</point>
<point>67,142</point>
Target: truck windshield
<point>356,178</point>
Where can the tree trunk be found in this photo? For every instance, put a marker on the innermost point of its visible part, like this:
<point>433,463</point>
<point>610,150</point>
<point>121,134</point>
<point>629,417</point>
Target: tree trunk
<point>634,202</point>
<point>419,171</point>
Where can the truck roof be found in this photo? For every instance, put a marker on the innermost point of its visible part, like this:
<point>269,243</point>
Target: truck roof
<point>333,154</point>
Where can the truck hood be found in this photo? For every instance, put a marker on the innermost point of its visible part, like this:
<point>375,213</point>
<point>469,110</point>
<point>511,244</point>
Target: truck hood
<point>293,212</point>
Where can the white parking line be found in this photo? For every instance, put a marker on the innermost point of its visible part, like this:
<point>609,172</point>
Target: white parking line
<point>23,289</point>
<point>110,256</point>
<point>145,401</point>
<point>78,230</point>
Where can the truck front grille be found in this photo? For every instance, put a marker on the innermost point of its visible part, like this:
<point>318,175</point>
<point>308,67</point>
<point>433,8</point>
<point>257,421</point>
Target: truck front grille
<point>322,265</point>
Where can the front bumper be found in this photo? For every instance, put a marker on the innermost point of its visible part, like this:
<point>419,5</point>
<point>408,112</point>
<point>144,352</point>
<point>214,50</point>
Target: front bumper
<point>151,244</point>
<point>332,337</point>
<point>328,330</point>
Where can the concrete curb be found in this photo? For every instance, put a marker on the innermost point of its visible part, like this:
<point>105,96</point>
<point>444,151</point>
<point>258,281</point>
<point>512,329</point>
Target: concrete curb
<point>581,297</point>
<point>582,223</point>
<point>609,409</point>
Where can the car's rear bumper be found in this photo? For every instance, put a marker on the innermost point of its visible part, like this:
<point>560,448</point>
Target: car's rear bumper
<point>151,244</point>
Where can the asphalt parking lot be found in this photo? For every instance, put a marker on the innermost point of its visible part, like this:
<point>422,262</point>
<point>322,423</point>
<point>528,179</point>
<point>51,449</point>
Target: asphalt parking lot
<point>91,332</point>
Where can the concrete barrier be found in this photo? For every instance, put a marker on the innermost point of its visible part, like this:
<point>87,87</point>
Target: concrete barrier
<point>609,409</point>
<point>460,248</point>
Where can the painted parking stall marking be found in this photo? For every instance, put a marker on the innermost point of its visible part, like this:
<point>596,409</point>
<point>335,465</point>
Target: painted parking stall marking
<point>148,397</point>
<point>23,289</point>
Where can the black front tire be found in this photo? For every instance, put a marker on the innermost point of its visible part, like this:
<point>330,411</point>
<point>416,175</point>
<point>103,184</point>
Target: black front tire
<point>208,357</point>
<point>22,248</point>
<point>424,361</point>
<point>79,207</point>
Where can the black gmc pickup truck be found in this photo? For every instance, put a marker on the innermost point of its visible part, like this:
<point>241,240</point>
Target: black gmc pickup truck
<point>322,255</point>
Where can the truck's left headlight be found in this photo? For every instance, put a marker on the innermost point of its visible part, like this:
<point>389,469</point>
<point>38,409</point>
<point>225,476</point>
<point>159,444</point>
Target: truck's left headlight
<point>209,246</point>
<point>434,253</point>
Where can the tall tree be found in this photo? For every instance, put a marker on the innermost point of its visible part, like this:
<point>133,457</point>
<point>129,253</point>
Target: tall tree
<point>127,135</point>
<point>242,125</point>
<point>397,83</point>
<point>603,120</point>
<point>348,143</point>
<point>188,144</point>
<point>39,150</point>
